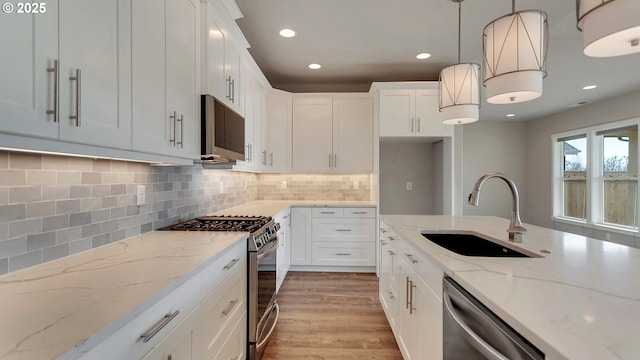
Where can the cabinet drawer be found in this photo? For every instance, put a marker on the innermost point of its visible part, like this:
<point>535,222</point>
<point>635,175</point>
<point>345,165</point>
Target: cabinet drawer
<point>343,230</point>
<point>224,265</point>
<point>327,212</point>
<point>343,253</point>
<point>234,347</point>
<point>222,310</point>
<point>360,212</point>
<point>430,273</point>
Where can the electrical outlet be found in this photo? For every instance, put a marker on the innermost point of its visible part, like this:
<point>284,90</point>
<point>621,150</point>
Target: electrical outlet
<point>141,199</point>
<point>283,185</point>
<point>356,185</point>
<point>409,186</point>
<point>221,187</point>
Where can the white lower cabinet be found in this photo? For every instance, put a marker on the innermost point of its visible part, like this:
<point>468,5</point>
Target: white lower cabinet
<point>179,343</point>
<point>333,236</point>
<point>283,257</point>
<point>411,297</point>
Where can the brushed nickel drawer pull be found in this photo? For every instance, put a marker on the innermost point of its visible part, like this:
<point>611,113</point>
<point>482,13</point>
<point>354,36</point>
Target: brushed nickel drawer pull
<point>411,307</point>
<point>55,70</point>
<point>362,213</point>
<point>410,257</point>
<point>229,307</point>
<point>271,162</point>
<point>343,230</point>
<point>174,118</point>
<point>181,121</point>
<point>343,254</point>
<point>327,212</point>
<point>231,264</point>
<point>147,335</point>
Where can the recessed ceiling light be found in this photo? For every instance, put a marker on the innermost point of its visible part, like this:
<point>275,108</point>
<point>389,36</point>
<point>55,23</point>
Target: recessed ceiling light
<point>315,66</point>
<point>511,115</point>
<point>287,33</point>
<point>589,87</point>
<point>423,56</point>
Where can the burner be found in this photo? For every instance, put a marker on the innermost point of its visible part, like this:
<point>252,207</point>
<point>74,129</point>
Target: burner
<point>249,224</point>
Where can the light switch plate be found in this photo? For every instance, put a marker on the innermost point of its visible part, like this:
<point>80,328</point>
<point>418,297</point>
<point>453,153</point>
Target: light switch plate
<point>409,186</point>
<point>141,198</point>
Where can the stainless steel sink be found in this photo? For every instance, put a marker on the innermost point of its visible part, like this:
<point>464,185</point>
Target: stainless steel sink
<point>469,243</point>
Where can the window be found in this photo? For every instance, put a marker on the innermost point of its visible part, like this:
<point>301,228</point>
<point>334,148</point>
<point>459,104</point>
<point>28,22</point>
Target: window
<point>596,176</point>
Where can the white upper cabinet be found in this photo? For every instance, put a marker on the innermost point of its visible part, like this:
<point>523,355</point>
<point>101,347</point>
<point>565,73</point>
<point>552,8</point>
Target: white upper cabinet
<point>165,86</point>
<point>95,72</point>
<point>332,134</point>
<point>412,112</point>
<point>28,94</point>
<point>275,155</point>
<point>222,76</point>
<point>67,73</point>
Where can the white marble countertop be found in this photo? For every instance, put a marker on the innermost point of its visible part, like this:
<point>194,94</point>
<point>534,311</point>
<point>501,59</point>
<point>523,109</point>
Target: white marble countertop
<point>582,301</point>
<point>48,309</point>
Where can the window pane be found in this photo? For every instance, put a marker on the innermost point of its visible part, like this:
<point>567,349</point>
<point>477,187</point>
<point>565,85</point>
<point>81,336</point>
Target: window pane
<point>574,177</point>
<point>620,177</point>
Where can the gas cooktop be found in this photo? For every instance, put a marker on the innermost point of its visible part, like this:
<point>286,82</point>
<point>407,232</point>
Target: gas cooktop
<point>249,224</point>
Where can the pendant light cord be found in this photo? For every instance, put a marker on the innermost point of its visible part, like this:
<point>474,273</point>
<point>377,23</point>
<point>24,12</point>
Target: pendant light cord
<point>459,26</point>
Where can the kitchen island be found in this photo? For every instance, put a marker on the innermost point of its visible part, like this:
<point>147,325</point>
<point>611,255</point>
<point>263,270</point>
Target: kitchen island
<point>580,301</point>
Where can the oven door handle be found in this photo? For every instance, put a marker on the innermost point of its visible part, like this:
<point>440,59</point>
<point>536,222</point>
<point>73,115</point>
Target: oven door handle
<point>474,339</point>
<point>264,340</point>
<point>263,253</point>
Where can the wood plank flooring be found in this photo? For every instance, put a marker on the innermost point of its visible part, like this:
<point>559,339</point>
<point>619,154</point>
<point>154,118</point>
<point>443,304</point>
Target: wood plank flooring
<point>331,316</point>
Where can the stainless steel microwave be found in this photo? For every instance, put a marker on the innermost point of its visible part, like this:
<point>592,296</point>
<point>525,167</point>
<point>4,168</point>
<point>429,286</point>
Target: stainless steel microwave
<point>222,132</point>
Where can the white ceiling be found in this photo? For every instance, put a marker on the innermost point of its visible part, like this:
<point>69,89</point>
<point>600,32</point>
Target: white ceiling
<point>360,41</point>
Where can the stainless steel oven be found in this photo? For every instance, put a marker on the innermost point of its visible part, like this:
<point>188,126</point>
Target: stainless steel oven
<point>263,307</point>
<point>472,332</point>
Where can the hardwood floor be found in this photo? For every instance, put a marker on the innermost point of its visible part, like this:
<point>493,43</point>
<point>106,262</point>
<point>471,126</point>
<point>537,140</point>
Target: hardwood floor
<point>334,316</point>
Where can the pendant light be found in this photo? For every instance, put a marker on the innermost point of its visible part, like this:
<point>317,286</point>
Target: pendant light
<point>609,27</point>
<point>459,89</point>
<point>514,56</point>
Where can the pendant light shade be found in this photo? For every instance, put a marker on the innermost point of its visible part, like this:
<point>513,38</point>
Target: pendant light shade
<point>459,89</point>
<point>515,48</point>
<point>460,94</point>
<point>609,27</point>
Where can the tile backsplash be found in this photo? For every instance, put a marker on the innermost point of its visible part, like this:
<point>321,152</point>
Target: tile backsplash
<point>333,187</point>
<point>54,206</point>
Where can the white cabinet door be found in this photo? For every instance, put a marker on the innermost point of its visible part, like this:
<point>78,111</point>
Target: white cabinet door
<point>28,89</point>
<point>352,135</point>
<point>95,72</point>
<point>397,112</point>
<point>181,343</point>
<point>276,130</point>
<point>300,240</point>
<point>232,76</point>
<point>164,64</point>
<point>312,148</point>
<point>213,56</point>
<point>182,27</point>
<point>428,117</point>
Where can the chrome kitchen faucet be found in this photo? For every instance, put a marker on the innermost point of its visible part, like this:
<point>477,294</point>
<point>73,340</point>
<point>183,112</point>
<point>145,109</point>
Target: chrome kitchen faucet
<point>516,230</point>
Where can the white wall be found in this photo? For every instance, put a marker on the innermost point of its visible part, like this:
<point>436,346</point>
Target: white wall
<point>494,147</point>
<point>538,154</point>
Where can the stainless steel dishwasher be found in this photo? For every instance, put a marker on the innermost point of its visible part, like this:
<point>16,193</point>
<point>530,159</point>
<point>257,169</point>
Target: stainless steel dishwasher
<point>471,331</point>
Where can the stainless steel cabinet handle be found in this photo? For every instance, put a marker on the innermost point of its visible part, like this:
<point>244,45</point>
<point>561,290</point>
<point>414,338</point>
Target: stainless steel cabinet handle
<point>233,91</point>
<point>361,213</point>
<point>335,161</point>
<point>418,124</point>
<point>410,257</point>
<point>78,80</point>
<point>327,212</point>
<point>229,307</point>
<point>271,161</point>
<point>173,117</point>
<point>343,254</point>
<point>229,87</point>
<point>407,295</point>
<point>247,156</point>
<point>330,161</point>
<point>181,121</point>
<point>412,127</point>
<point>231,263</point>
<point>343,230</point>
<point>411,308</point>
<point>56,77</point>
<point>153,330</point>
<point>250,152</point>
<point>264,157</point>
